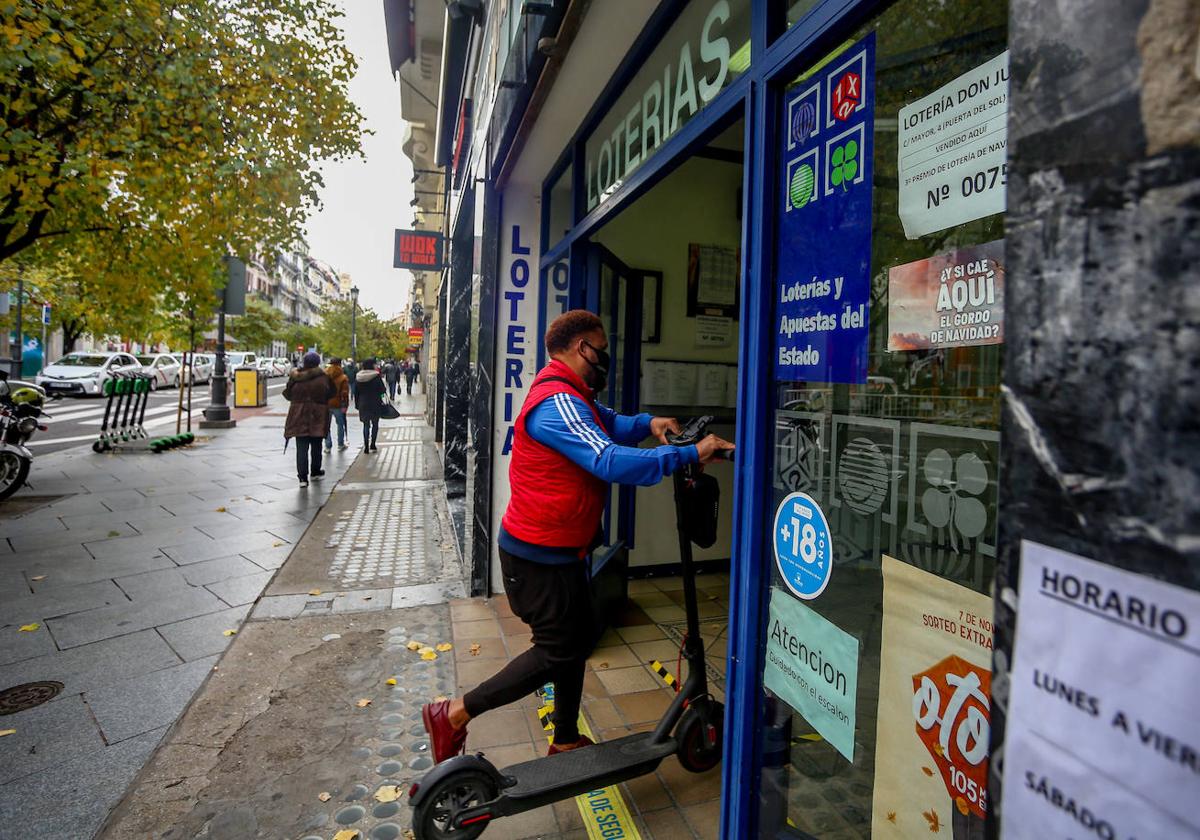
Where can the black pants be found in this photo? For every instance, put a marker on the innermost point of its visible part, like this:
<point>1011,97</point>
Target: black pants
<point>370,432</point>
<point>305,446</point>
<point>556,603</point>
<point>408,380</point>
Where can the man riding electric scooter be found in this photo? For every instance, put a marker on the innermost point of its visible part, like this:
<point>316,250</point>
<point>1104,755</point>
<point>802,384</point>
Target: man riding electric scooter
<point>567,449</point>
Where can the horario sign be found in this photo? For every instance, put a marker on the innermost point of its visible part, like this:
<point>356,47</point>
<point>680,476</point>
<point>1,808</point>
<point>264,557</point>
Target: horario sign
<point>418,250</point>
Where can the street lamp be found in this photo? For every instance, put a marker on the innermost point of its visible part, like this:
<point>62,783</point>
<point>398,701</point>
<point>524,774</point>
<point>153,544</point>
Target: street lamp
<point>354,322</point>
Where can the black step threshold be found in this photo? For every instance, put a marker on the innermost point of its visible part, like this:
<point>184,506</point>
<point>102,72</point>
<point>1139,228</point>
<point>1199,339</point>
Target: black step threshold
<point>588,768</point>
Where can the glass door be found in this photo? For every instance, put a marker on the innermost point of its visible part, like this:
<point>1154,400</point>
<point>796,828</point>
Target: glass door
<point>615,292</point>
<point>888,257</point>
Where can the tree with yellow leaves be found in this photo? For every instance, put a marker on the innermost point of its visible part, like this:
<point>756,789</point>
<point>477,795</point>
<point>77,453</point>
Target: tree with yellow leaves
<point>141,141</point>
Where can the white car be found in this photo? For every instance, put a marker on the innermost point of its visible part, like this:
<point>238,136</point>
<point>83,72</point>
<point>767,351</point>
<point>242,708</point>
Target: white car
<point>201,363</point>
<point>233,361</point>
<point>83,374</point>
<point>166,369</point>
<point>268,367</point>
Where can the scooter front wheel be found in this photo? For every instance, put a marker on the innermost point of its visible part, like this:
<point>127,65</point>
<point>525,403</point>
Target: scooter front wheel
<point>433,819</point>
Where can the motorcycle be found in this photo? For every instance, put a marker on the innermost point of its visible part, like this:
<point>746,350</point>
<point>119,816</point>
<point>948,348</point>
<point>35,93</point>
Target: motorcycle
<point>21,404</point>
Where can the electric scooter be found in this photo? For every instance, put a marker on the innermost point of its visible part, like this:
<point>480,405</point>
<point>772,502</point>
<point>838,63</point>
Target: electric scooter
<point>459,798</point>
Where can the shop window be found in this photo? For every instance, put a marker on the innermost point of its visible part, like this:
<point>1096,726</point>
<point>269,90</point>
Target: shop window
<point>556,290</point>
<point>560,212</point>
<point>797,9</point>
<point>888,289</point>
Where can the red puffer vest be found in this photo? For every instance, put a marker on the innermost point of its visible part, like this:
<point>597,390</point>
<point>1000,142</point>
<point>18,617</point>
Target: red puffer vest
<point>554,502</point>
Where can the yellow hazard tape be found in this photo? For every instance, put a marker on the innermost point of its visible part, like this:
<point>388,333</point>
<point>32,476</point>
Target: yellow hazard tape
<point>605,814</point>
<point>662,671</point>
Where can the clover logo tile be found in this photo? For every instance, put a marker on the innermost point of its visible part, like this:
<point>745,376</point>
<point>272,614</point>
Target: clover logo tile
<point>844,155</point>
<point>952,489</point>
<point>955,485</point>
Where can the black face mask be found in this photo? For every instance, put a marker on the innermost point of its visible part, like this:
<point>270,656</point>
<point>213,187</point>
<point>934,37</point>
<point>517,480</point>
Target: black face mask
<point>599,367</point>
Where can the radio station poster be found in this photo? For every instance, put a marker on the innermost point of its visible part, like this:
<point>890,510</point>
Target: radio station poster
<point>954,299</point>
<point>1101,737</point>
<point>823,254</point>
<point>935,675</point>
<point>953,151</point>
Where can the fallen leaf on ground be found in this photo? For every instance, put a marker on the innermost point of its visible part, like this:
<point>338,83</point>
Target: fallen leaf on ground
<point>440,698</point>
<point>29,628</point>
<point>230,632</point>
<point>324,796</point>
<point>363,703</point>
<point>424,650</point>
<point>220,510</point>
<point>391,680</point>
<point>474,649</point>
<point>329,637</point>
<point>387,793</point>
<point>367,597</point>
<point>408,834</point>
<point>429,656</point>
<point>276,544</point>
<point>38,577</point>
<point>602,665</point>
<point>413,645</point>
<point>445,646</point>
<point>114,533</point>
<point>314,592</point>
<point>4,732</point>
<point>347,834</point>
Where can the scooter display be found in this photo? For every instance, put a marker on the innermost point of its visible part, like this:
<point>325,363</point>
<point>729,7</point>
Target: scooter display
<point>460,797</point>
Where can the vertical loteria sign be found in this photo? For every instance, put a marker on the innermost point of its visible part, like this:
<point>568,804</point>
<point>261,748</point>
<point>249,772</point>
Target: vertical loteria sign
<point>518,304</point>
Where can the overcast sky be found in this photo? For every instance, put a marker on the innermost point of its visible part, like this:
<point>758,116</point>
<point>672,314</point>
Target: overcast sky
<point>365,201</point>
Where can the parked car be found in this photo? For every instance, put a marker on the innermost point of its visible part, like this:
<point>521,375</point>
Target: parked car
<point>201,363</point>
<point>285,365</point>
<point>165,367</point>
<point>237,360</point>
<point>270,367</point>
<point>83,374</point>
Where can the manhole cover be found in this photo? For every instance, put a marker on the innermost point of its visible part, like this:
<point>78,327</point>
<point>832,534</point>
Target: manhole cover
<point>27,695</point>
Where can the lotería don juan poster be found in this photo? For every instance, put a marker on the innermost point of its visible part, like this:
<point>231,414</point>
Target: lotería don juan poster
<point>931,751</point>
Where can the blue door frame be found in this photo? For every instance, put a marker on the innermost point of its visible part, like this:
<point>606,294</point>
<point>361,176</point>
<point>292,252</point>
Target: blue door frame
<point>754,96</point>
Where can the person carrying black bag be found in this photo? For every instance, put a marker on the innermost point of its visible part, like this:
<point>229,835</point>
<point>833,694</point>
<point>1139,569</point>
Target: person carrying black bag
<point>369,399</point>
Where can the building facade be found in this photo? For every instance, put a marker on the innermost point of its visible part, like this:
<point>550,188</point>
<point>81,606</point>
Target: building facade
<point>931,265</point>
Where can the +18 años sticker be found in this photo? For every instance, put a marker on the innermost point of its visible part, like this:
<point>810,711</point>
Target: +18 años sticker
<point>803,546</point>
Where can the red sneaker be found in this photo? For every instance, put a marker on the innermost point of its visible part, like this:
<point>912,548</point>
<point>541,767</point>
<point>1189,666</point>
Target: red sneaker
<point>584,741</point>
<point>445,740</point>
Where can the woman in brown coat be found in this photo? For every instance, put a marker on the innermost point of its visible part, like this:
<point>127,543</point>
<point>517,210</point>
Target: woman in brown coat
<point>309,390</point>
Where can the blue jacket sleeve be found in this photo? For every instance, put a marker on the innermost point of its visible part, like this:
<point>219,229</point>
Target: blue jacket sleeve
<point>565,424</point>
<point>625,429</point>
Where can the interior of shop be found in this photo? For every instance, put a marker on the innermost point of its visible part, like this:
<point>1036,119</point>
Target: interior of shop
<point>682,239</point>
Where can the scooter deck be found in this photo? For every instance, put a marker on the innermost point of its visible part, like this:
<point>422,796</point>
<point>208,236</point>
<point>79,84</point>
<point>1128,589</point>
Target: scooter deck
<point>588,768</point>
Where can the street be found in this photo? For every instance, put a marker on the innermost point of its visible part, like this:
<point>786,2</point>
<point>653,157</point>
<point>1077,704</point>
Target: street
<point>75,421</point>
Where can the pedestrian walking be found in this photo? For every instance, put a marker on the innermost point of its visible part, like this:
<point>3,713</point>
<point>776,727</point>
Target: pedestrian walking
<point>368,398</point>
<point>567,449</point>
<point>391,375</point>
<point>309,390</point>
<point>410,375</point>
<point>351,370</point>
<point>339,404</point>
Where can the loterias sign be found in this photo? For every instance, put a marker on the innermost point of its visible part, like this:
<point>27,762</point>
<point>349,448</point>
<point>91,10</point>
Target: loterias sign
<point>418,250</point>
<point>706,48</point>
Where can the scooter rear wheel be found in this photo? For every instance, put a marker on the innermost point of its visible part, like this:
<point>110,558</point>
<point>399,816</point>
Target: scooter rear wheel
<point>432,819</point>
<point>696,754</point>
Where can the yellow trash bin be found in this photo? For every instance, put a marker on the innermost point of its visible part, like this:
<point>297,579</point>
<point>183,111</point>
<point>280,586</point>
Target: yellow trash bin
<point>249,388</point>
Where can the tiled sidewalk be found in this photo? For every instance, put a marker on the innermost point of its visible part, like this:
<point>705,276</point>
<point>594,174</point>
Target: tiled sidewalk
<point>621,695</point>
<point>132,576</point>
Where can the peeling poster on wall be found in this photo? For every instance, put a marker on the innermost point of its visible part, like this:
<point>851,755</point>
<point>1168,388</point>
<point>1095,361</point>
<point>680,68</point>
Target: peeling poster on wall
<point>935,675</point>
